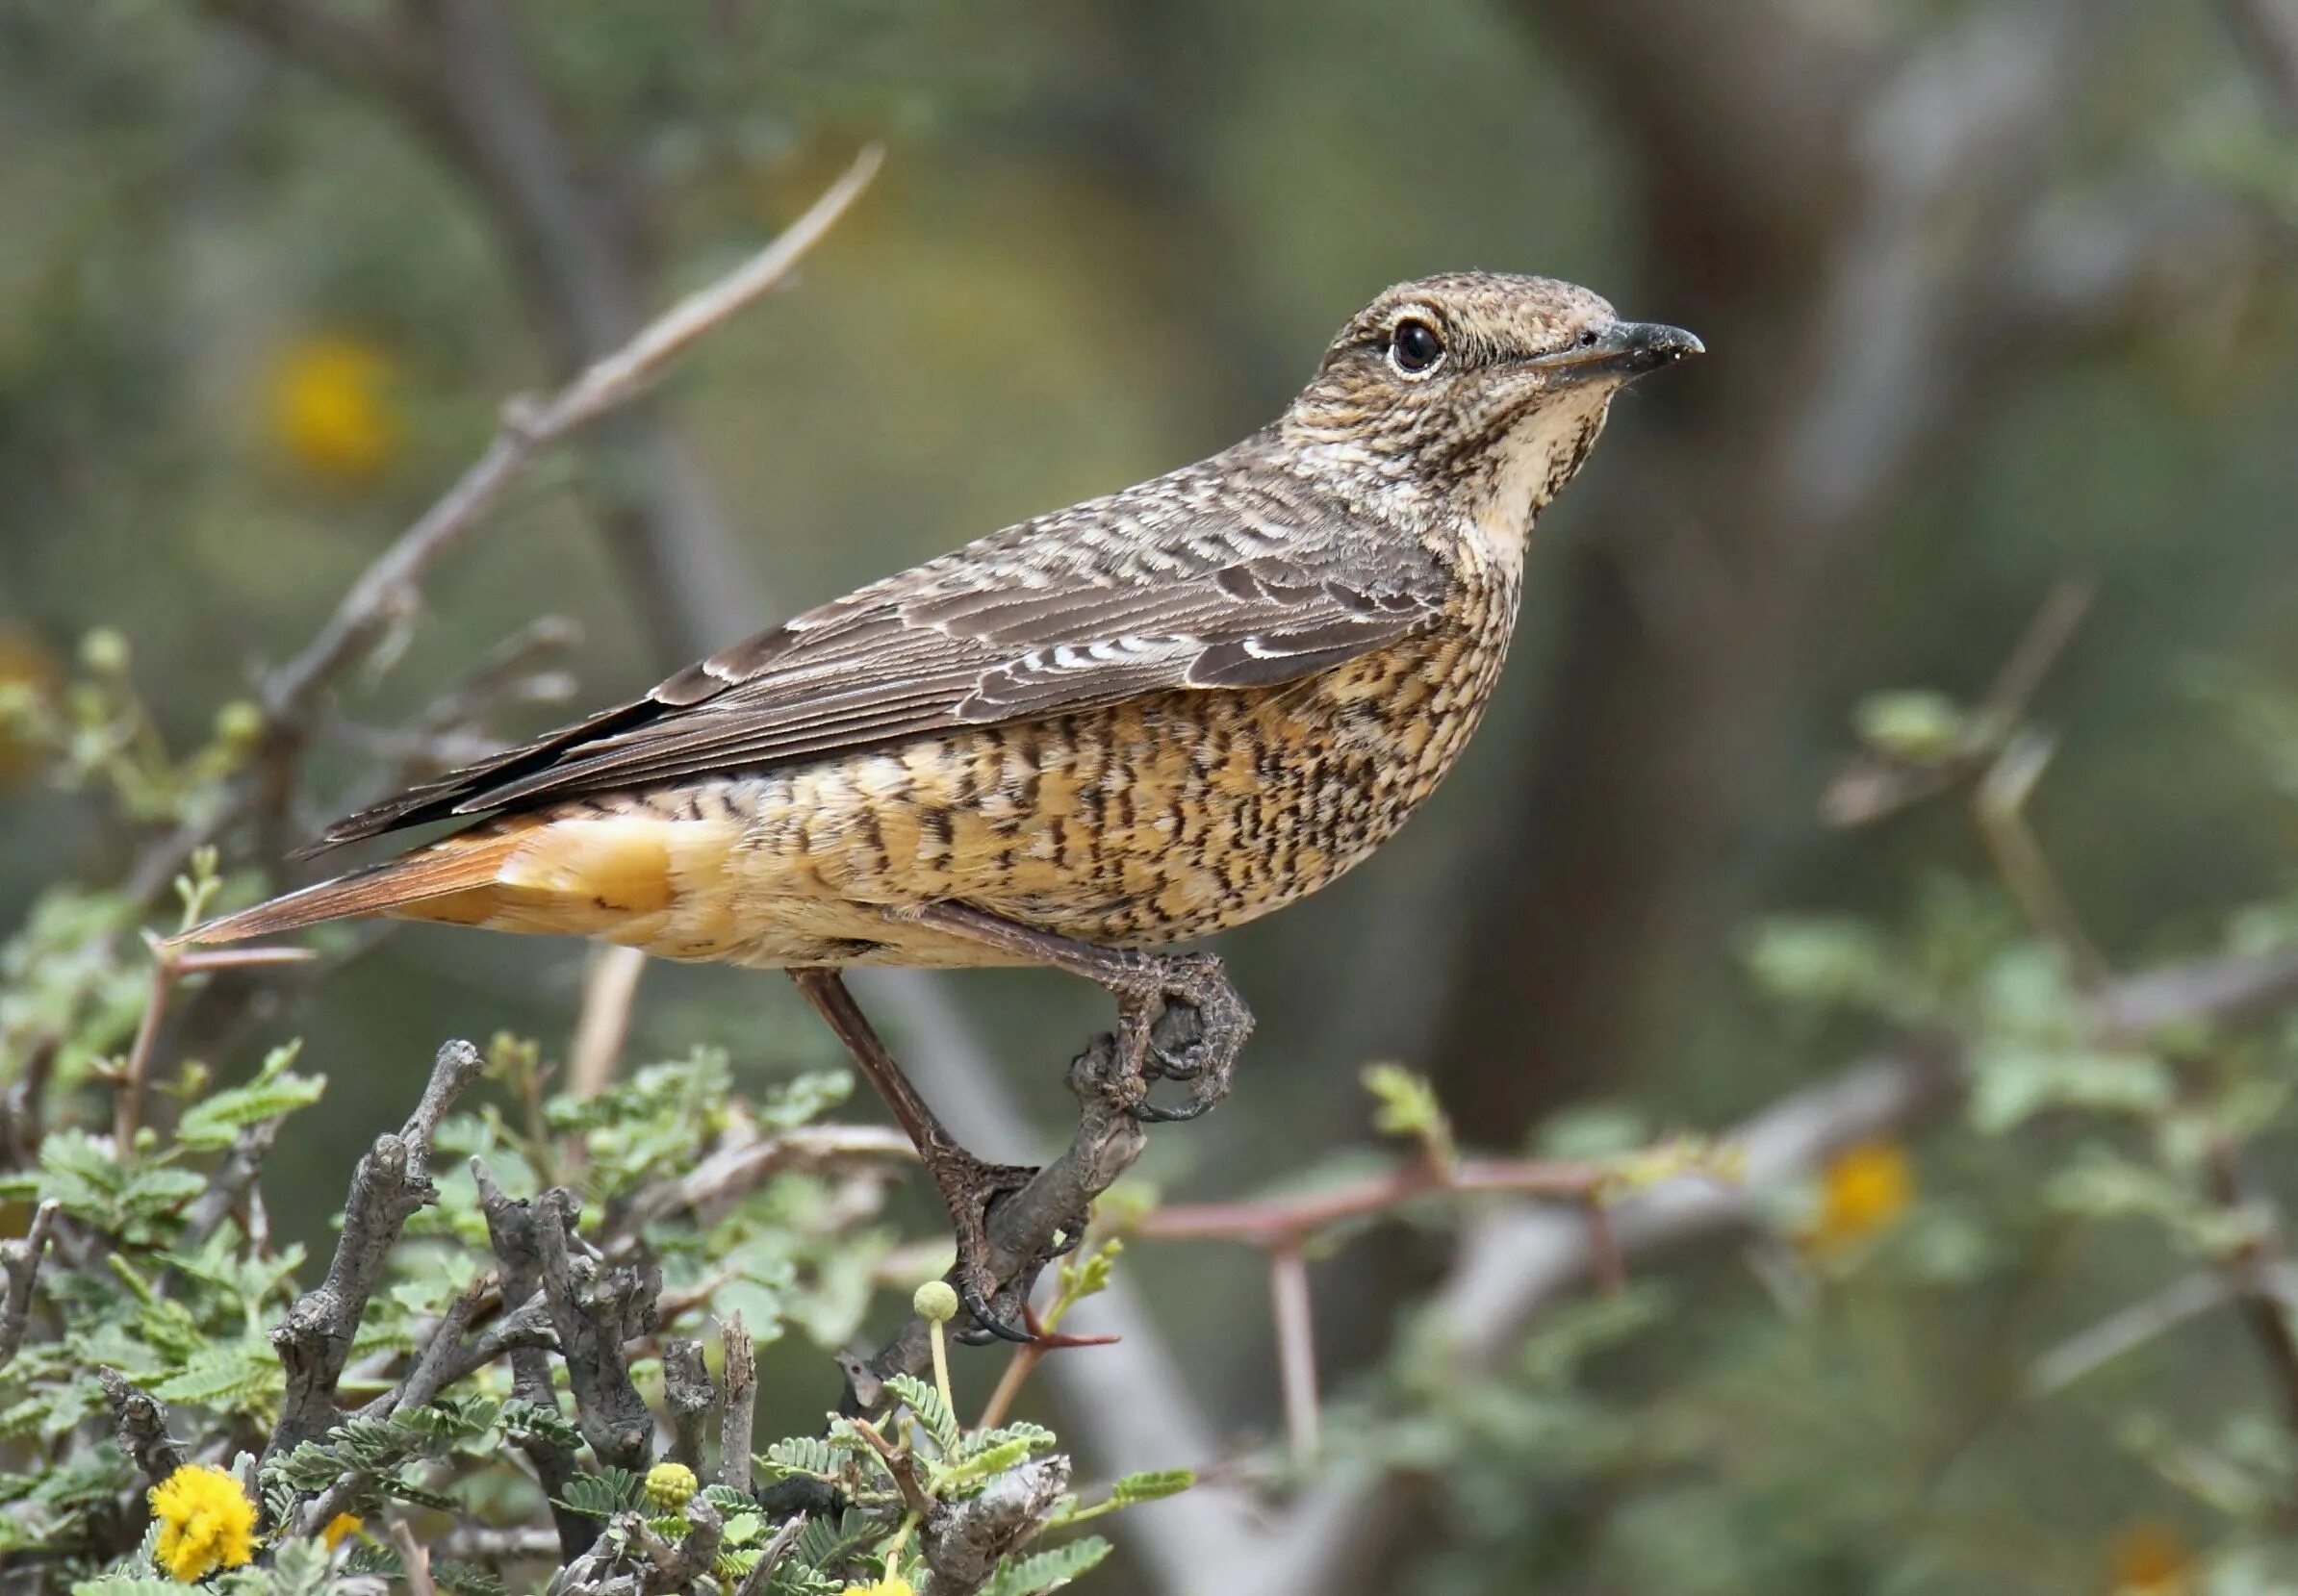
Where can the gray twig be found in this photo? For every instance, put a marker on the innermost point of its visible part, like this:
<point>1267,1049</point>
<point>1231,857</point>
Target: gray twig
<point>597,1308</point>
<point>511,1233</point>
<point>22,1259</point>
<point>770,1556</point>
<point>741,1399</point>
<point>142,1427</point>
<point>963,1540</point>
<point>393,1180</point>
<point>688,1391</point>
<point>229,1184</point>
<point>676,1566</point>
<point>446,1358</point>
<point>415,1559</point>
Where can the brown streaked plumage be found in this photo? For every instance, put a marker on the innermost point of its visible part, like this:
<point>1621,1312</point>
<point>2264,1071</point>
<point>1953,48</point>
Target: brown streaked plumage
<point>1120,725</point>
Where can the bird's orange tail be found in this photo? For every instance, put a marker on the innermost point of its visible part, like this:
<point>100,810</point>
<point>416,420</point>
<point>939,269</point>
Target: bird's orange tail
<point>452,867</point>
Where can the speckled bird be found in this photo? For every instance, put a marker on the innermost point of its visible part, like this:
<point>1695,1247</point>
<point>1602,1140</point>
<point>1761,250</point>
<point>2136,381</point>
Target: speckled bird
<point>1106,730</point>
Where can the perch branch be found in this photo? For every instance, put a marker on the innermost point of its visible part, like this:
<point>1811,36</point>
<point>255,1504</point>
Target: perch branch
<point>1023,1227</point>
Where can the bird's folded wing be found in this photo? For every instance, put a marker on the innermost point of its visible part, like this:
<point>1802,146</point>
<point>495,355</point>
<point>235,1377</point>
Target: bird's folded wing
<point>1073,611</point>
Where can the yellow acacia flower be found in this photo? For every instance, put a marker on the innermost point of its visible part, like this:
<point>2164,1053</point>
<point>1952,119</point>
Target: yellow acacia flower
<point>1863,1191</point>
<point>342,1527</point>
<point>330,407</point>
<point>206,1522</point>
<point>2150,1559</point>
<point>894,1586</point>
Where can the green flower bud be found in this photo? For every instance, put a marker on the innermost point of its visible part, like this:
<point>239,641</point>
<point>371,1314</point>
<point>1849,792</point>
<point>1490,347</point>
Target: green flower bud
<point>670,1486</point>
<point>937,1301</point>
<point>104,652</point>
<point>1922,728</point>
<point>239,723</point>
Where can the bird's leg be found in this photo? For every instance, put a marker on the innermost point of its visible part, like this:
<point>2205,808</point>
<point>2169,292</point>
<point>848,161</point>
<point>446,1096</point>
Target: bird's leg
<point>968,1186</point>
<point>1178,1014</point>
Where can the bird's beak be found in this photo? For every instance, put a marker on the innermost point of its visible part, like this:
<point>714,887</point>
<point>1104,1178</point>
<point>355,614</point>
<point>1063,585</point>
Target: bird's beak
<point>1621,351</point>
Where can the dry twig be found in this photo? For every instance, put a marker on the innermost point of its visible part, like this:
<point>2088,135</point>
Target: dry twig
<point>21,1261</point>
<point>393,1180</point>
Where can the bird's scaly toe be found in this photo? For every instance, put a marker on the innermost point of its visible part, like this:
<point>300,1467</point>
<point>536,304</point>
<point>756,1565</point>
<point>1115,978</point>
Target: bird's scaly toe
<point>970,1189</point>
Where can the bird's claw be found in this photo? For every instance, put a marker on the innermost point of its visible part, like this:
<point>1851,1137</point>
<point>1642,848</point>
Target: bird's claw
<point>969,1189</point>
<point>1184,1021</point>
<point>988,1323</point>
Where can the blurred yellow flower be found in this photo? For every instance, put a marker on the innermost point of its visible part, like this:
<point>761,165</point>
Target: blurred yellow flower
<point>206,1522</point>
<point>1863,1191</point>
<point>340,1528</point>
<point>2150,1559</point>
<point>28,678</point>
<point>894,1587</point>
<point>330,407</point>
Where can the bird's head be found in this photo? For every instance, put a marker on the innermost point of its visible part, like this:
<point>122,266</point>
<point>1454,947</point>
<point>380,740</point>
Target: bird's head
<point>1474,393</point>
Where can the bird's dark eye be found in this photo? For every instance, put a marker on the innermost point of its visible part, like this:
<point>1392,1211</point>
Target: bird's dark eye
<point>1587,337</point>
<point>1414,347</point>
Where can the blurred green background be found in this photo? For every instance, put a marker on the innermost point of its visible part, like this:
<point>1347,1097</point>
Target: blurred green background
<point>1996,293</point>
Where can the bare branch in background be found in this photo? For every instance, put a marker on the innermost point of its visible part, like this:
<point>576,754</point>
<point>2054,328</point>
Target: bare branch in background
<point>610,989</point>
<point>1877,783</point>
<point>168,965</point>
<point>415,1559</point>
<point>1296,1349</point>
<point>383,597</point>
<point>1876,223</point>
<point>2268,31</point>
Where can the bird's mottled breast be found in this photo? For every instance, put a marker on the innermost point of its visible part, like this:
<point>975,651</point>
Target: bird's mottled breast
<point>1155,821</point>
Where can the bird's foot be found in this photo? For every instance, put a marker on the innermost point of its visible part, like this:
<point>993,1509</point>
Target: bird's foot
<point>969,1189</point>
<point>1181,1019</point>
